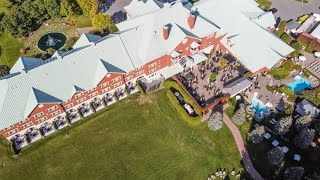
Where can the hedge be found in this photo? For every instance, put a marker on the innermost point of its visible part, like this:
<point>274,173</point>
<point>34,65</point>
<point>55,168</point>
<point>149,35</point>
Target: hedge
<point>187,99</point>
<point>281,28</point>
<point>140,88</point>
<point>286,38</point>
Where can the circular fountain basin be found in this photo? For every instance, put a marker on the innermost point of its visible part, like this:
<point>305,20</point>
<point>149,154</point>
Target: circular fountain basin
<point>52,40</point>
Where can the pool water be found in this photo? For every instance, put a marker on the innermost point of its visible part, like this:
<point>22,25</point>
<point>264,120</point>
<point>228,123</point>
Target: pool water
<point>299,84</point>
<point>259,108</point>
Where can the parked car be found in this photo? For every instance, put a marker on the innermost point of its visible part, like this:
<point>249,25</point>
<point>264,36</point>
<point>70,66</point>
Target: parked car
<point>178,96</point>
<point>188,108</point>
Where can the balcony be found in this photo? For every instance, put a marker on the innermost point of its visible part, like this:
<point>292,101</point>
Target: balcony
<point>19,141</point>
<point>132,88</point>
<point>47,128</point>
<point>85,110</point>
<point>121,94</point>
<point>97,104</point>
<point>60,122</point>
<point>73,115</point>
<point>109,99</point>
<point>33,134</point>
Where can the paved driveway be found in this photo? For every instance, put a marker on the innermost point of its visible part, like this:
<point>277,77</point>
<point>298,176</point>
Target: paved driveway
<point>117,6</point>
<point>291,9</point>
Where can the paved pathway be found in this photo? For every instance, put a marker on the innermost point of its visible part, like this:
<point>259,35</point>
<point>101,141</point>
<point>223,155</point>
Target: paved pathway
<point>117,6</point>
<point>291,9</point>
<point>242,149</point>
<point>84,30</point>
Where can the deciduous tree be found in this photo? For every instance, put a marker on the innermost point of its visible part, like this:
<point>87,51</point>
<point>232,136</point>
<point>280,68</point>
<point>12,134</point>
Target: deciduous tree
<point>276,155</point>
<point>304,138</point>
<point>293,173</point>
<point>282,127</point>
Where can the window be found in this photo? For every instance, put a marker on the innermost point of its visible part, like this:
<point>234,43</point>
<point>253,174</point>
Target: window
<point>41,119</point>
<point>81,100</point>
<point>152,70</point>
<point>55,113</point>
<point>139,73</point>
<point>128,78</point>
<point>12,131</point>
<point>68,105</point>
<point>37,115</point>
<point>105,90</point>
<point>52,108</point>
<point>104,85</point>
<point>92,90</point>
<point>153,64</point>
<point>139,68</point>
<point>116,79</point>
<point>93,94</point>
<point>78,95</point>
<point>117,84</point>
<point>27,125</point>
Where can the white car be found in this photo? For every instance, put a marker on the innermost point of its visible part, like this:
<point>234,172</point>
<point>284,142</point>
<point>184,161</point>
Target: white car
<point>188,108</point>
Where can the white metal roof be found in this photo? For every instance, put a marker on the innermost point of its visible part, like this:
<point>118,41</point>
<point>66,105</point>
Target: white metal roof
<point>140,7</point>
<point>246,24</point>
<point>316,32</point>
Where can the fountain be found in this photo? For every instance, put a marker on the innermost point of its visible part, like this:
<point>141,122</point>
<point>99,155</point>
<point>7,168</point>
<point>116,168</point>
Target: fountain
<point>52,40</point>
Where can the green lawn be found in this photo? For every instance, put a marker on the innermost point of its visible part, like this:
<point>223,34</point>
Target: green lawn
<point>137,138</point>
<point>82,21</point>
<point>9,49</point>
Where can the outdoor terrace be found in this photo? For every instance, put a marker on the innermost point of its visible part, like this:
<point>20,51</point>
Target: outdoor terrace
<point>109,99</point>
<point>120,93</point>
<point>85,110</point>
<point>47,128</point>
<point>33,134</point>
<point>19,141</point>
<point>97,104</point>
<point>60,122</point>
<point>73,115</point>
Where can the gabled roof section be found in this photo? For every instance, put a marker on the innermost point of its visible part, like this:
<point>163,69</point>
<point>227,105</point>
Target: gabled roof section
<point>111,68</point>
<point>43,98</point>
<point>24,63</point>
<point>140,7</point>
<point>86,39</point>
<point>78,89</point>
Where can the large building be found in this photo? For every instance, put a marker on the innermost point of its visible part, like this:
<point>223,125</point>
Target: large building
<point>40,94</point>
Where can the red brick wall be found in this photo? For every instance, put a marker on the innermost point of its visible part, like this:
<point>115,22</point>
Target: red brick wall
<point>37,110</point>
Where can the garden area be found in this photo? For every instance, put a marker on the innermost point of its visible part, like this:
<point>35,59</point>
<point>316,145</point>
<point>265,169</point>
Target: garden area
<point>284,70</point>
<point>9,49</point>
<point>282,145</point>
<point>150,141</point>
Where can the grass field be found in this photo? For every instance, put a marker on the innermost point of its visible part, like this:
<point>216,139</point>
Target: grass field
<point>141,137</point>
<point>82,21</point>
<point>9,49</point>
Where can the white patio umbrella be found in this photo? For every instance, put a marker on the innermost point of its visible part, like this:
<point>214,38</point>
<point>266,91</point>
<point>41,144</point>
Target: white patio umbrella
<point>317,54</point>
<point>302,58</point>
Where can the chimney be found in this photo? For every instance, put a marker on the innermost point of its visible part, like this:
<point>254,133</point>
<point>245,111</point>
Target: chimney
<point>191,20</point>
<point>165,32</point>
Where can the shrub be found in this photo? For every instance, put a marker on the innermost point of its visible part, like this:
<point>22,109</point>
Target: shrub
<point>213,76</point>
<point>303,122</point>
<point>283,126</point>
<point>276,155</point>
<point>256,135</point>
<point>304,138</point>
<point>223,63</point>
<point>265,3</point>
<point>286,38</point>
<point>281,28</point>
<point>293,173</point>
<point>215,121</point>
<point>239,116</point>
<point>311,95</point>
<point>187,99</point>
<point>4,70</point>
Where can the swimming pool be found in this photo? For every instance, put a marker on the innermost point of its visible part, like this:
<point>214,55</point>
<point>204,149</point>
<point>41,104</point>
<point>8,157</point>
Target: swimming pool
<point>259,108</point>
<point>299,84</point>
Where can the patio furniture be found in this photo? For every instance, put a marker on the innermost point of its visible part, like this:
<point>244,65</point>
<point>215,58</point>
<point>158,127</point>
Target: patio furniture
<point>297,157</point>
<point>267,135</point>
<point>275,143</point>
<point>285,149</point>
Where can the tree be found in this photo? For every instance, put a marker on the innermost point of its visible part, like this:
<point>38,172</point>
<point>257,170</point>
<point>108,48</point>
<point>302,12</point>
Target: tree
<point>4,70</point>
<point>282,127</point>
<point>303,122</point>
<point>239,116</point>
<point>52,8</point>
<point>281,28</point>
<point>101,22</point>
<point>88,7</point>
<point>257,134</point>
<point>69,8</point>
<point>215,121</point>
<point>213,76</point>
<point>293,173</point>
<point>304,138</point>
<point>286,38</point>
<point>276,155</point>
<point>17,22</point>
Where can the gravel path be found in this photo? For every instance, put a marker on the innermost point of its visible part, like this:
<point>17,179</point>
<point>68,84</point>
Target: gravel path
<point>242,149</point>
